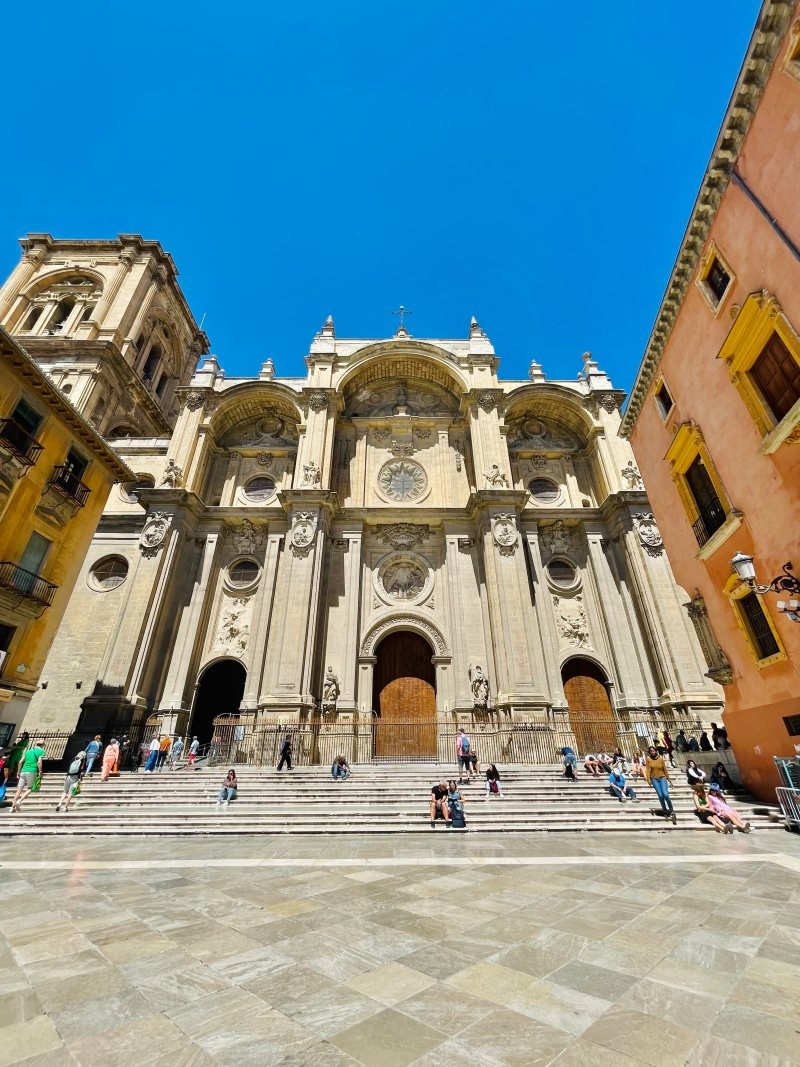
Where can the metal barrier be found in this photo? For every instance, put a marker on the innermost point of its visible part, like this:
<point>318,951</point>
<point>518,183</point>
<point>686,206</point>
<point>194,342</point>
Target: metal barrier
<point>375,741</point>
<point>789,800</point>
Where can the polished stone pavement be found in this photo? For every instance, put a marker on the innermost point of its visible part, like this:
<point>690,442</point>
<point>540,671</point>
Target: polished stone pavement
<point>508,949</point>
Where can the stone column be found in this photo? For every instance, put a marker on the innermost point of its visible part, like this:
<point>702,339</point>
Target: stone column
<point>157,279</point>
<point>20,278</point>
<point>347,668</point>
<point>231,480</point>
<point>488,445</point>
<point>127,258</point>
<point>177,687</point>
<point>546,620</point>
<point>262,618</point>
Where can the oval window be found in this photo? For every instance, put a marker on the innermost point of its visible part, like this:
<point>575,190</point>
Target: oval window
<point>561,572</point>
<point>243,572</point>
<point>260,489</point>
<point>108,573</point>
<point>544,491</point>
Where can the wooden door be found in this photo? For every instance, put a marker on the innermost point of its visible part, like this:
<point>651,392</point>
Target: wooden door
<point>590,713</point>
<point>404,694</point>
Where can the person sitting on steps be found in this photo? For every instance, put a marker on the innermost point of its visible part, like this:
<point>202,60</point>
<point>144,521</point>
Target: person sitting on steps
<point>719,807</point>
<point>705,813</point>
<point>592,764</point>
<point>455,805</point>
<point>694,774</point>
<point>617,787</point>
<point>439,804</point>
<point>340,769</point>
<point>720,776</point>
<point>493,783</point>
<point>230,789</point>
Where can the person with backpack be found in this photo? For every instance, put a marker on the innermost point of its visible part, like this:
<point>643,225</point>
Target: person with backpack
<point>493,784</point>
<point>92,753</point>
<point>455,805</point>
<point>286,754</point>
<point>463,747</point>
<point>72,780</point>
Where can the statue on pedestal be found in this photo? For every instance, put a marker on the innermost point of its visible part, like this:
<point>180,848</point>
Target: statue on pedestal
<point>330,691</point>
<point>480,686</point>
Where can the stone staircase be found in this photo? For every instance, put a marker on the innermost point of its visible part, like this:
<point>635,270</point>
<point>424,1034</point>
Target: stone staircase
<point>377,799</point>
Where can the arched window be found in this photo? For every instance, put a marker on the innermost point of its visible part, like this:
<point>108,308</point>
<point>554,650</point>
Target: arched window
<point>544,491</point>
<point>152,363</point>
<point>561,572</point>
<point>260,489</point>
<point>32,319</point>
<point>59,317</point>
<point>243,573</point>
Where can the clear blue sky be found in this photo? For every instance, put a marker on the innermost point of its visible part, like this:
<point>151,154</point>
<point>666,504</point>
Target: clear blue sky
<point>531,163</point>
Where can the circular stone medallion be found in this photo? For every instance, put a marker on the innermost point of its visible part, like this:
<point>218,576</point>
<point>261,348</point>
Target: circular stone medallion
<point>402,480</point>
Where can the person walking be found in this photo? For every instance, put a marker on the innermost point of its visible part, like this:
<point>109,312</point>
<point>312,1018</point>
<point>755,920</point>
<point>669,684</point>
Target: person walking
<point>164,745</point>
<point>110,758</point>
<point>463,746</point>
<point>194,748</point>
<point>30,773</point>
<point>657,775</point>
<point>152,758</point>
<point>92,753</point>
<point>175,753</point>
<point>230,789</point>
<point>72,780</point>
<point>286,754</point>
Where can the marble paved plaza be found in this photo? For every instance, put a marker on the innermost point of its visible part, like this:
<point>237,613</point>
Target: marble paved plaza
<point>510,949</point>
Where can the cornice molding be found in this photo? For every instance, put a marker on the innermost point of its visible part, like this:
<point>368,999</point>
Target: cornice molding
<point>773,22</point>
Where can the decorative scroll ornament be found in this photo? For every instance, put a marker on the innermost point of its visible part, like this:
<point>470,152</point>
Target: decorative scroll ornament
<point>423,433</point>
<point>631,475</point>
<point>381,435</point>
<point>318,401</point>
<point>571,621</point>
<point>154,533</point>
<point>330,691</point>
<point>495,479</point>
<point>649,533</point>
<point>539,463</point>
<point>404,579</point>
<point>488,401</point>
<point>312,475</point>
<point>504,532</point>
<point>265,459</point>
<point>479,684</point>
<point>172,476</point>
<point>402,448</point>
<point>558,537</point>
<point>246,537</point>
<point>234,631</point>
<point>402,534</point>
<point>301,535</point>
<point>194,401</point>
<point>719,668</point>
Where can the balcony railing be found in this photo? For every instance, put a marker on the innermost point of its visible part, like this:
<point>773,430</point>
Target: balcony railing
<point>67,482</point>
<point>711,517</point>
<point>23,444</point>
<point>26,584</point>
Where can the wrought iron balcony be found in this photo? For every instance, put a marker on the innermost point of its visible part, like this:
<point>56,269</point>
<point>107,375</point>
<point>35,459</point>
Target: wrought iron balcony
<point>22,445</point>
<point>26,584</point>
<point>712,516</point>
<point>65,481</point>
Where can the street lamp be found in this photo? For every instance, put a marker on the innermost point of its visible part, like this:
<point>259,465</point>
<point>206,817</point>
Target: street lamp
<point>743,565</point>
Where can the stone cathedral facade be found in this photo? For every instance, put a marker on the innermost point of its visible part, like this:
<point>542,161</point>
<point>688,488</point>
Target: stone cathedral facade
<point>402,534</point>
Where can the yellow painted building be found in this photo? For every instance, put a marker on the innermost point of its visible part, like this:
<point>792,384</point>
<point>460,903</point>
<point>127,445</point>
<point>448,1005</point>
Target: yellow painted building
<point>55,476</point>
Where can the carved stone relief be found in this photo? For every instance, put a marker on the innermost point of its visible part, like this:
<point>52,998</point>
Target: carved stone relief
<point>571,621</point>
<point>558,537</point>
<point>495,479</point>
<point>719,667</point>
<point>234,631</point>
<point>402,448</point>
<point>301,534</point>
<point>631,476</point>
<point>312,476</point>
<point>154,533</point>
<point>402,480</point>
<point>330,691</point>
<point>402,534</point>
<point>543,435</point>
<point>194,401</point>
<point>504,532</point>
<point>403,579</point>
<point>649,533</point>
<point>246,537</point>
<point>404,622</point>
<point>172,476</point>
<point>265,459</point>
<point>479,684</point>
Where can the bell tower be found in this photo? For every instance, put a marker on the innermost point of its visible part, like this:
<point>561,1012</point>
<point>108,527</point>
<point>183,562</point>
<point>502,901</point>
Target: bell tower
<point>108,323</point>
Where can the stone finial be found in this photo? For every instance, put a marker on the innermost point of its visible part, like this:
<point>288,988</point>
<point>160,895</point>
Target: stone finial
<point>592,375</point>
<point>267,372</point>
<point>474,328</point>
<point>328,330</point>
<point>535,372</point>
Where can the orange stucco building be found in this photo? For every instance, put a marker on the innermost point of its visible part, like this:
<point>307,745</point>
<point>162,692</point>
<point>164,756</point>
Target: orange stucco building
<point>714,415</point>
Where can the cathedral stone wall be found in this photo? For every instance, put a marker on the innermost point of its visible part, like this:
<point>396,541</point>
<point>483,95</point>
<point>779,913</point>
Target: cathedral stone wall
<point>293,526</point>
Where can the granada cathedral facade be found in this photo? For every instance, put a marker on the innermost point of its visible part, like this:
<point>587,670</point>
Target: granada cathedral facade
<point>400,535</point>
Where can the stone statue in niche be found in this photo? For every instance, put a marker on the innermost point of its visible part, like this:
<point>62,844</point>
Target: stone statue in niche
<point>330,691</point>
<point>311,474</point>
<point>495,479</point>
<point>172,476</point>
<point>631,475</point>
<point>480,686</point>
<point>558,537</point>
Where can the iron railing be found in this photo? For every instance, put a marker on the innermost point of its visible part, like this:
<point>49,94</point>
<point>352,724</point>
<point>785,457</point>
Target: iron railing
<point>319,742</point>
<point>23,444</point>
<point>711,517</point>
<point>26,583</point>
<point>789,800</point>
<point>67,482</point>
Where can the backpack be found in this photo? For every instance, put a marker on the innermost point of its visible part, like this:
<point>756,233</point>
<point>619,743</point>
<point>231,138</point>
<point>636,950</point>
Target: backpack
<point>75,767</point>
<point>465,744</point>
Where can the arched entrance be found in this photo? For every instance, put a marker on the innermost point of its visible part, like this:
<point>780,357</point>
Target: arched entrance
<point>404,697</point>
<point>220,692</point>
<point>590,713</point>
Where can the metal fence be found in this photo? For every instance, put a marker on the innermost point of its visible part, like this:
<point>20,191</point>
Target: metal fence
<point>319,742</point>
<point>789,800</point>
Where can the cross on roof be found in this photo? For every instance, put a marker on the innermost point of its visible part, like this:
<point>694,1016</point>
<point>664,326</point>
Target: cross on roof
<point>402,312</point>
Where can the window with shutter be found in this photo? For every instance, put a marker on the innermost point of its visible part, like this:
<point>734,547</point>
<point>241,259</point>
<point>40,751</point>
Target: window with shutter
<point>777,375</point>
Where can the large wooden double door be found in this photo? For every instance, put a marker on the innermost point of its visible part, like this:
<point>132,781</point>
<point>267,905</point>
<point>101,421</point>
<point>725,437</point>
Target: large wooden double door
<point>590,713</point>
<point>404,696</point>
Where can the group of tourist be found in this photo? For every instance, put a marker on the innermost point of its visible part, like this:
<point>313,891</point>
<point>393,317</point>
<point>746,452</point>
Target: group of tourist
<point>448,804</point>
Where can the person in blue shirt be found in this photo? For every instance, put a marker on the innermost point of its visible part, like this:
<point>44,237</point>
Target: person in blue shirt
<point>617,787</point>
<point>92,753</point>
